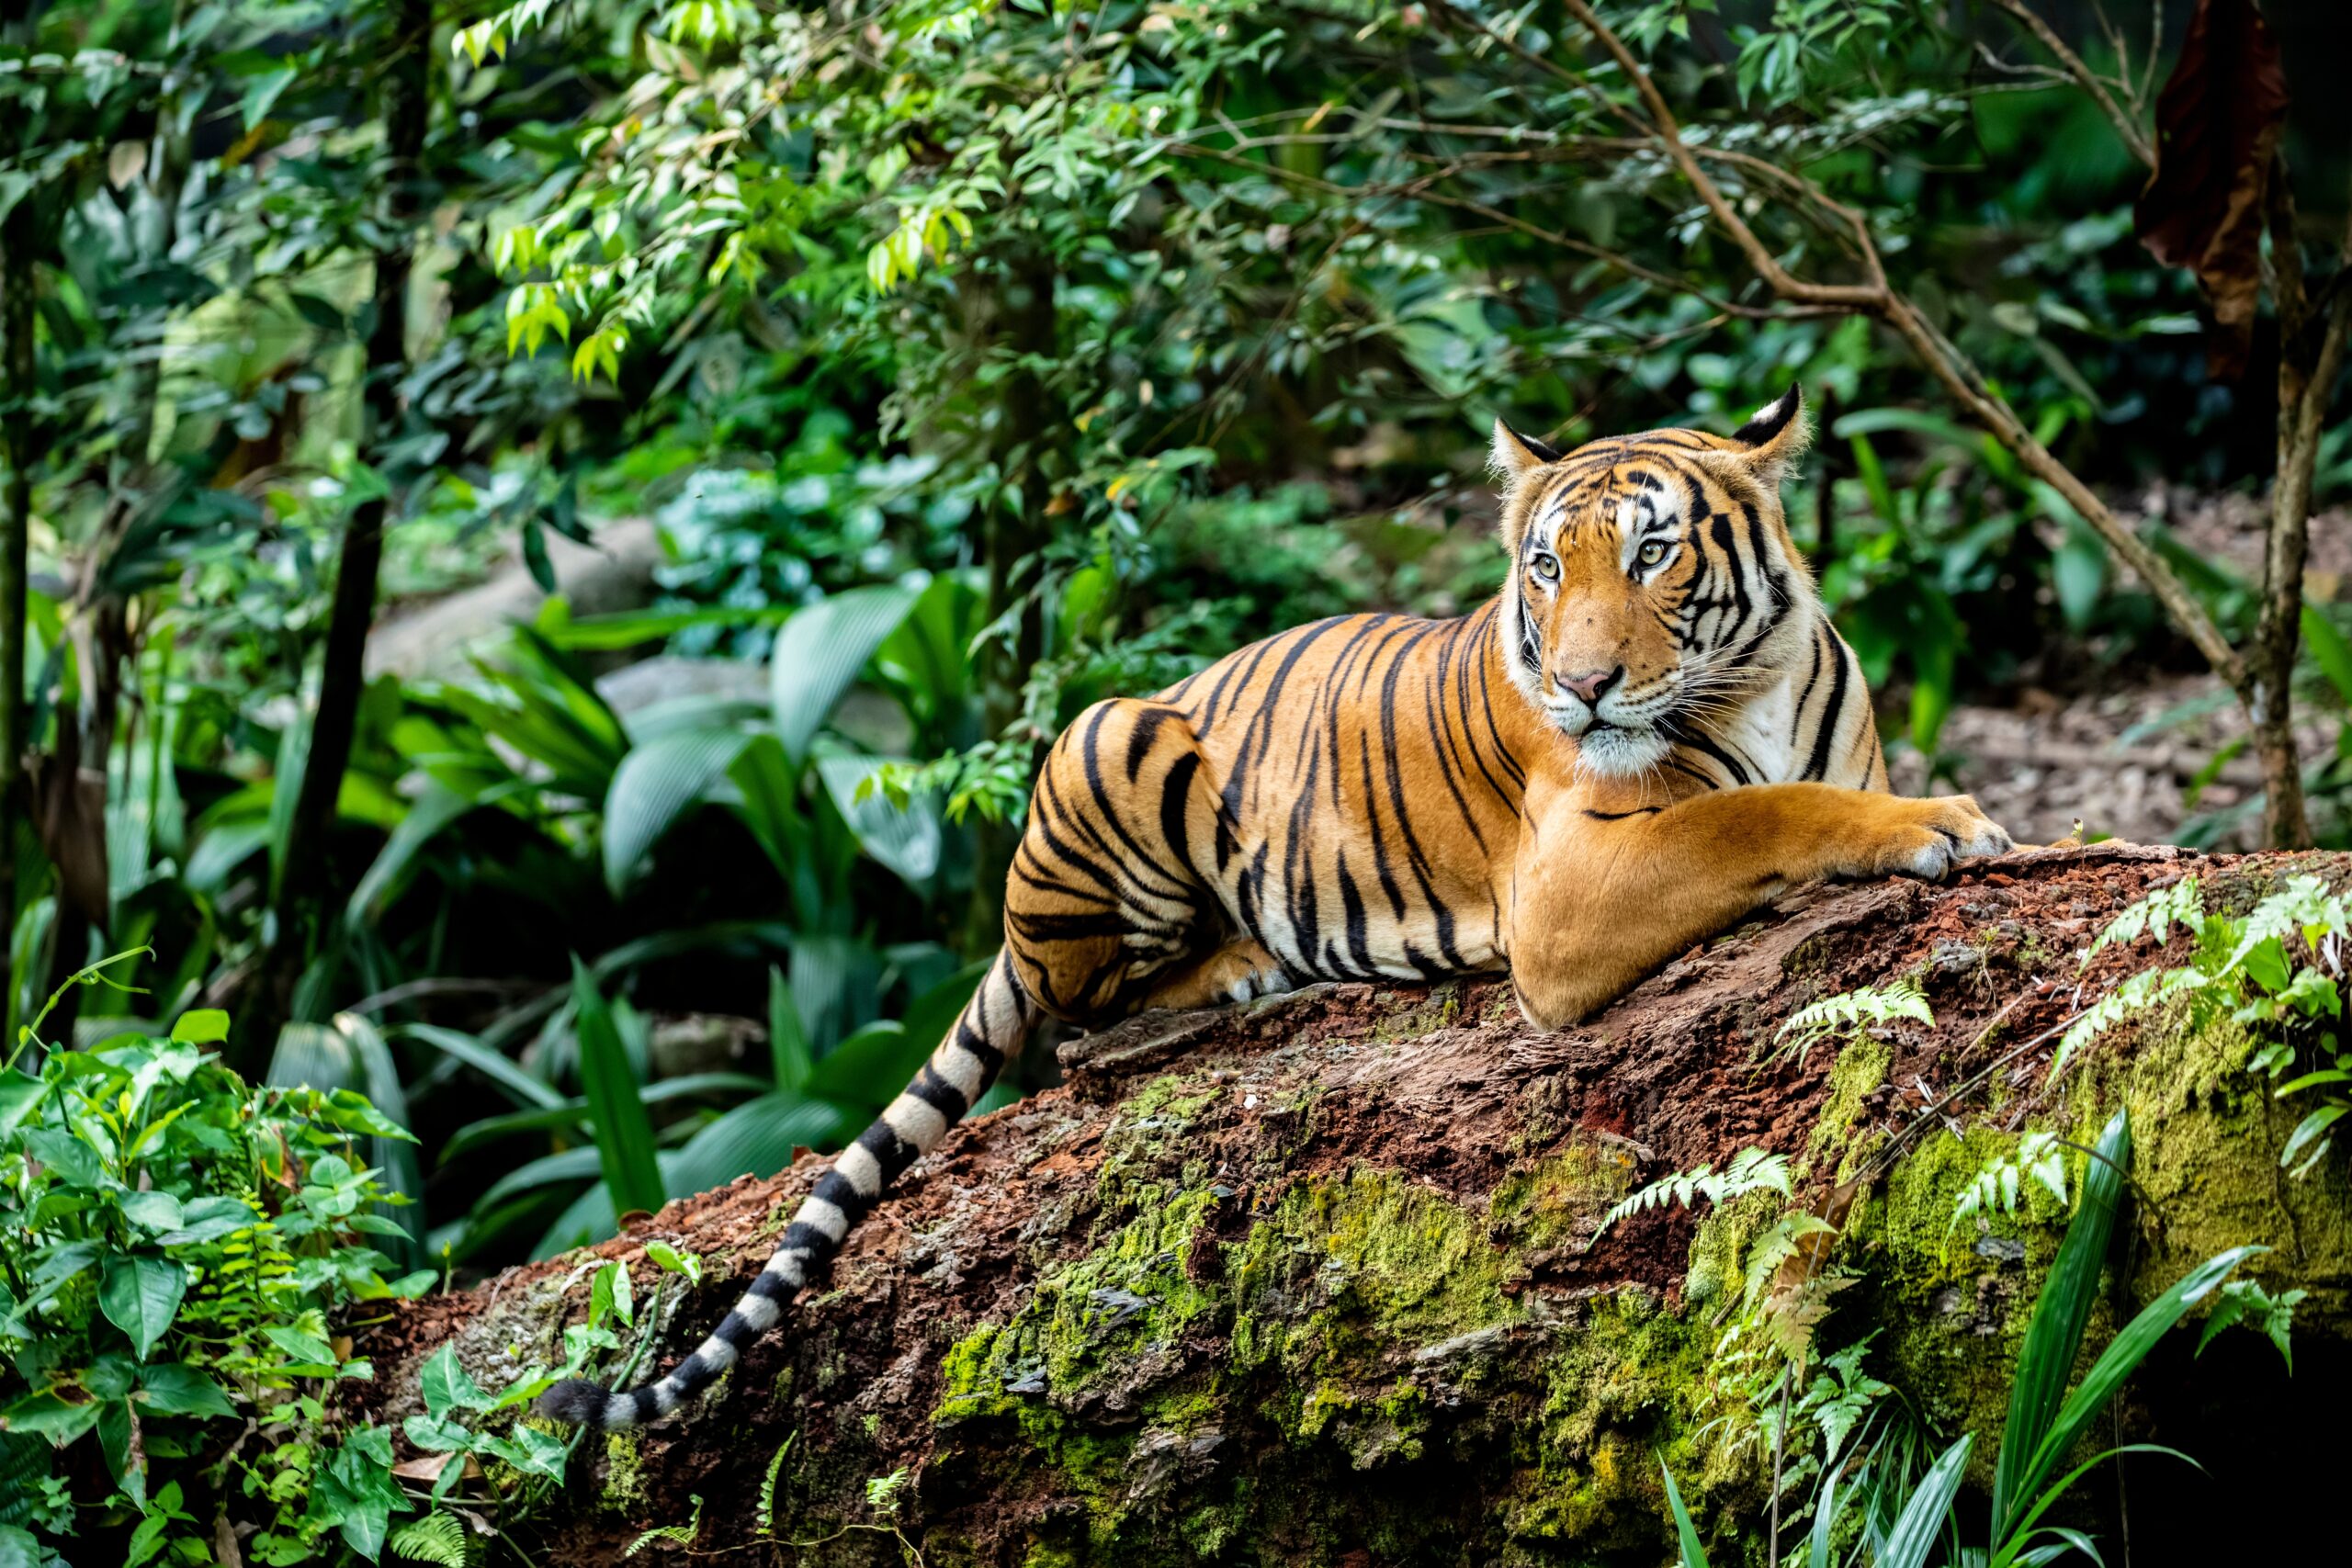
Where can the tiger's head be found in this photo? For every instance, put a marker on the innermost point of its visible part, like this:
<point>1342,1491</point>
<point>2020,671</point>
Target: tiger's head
<point>1649,575</point>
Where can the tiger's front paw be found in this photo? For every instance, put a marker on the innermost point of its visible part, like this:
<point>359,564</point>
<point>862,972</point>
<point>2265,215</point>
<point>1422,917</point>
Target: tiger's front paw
<point>1928,837</point>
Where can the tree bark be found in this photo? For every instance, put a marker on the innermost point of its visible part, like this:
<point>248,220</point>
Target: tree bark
<point>1015,320</point>
<point>1323,1278</point>
<point>17,248</point>
<point>304,881</point>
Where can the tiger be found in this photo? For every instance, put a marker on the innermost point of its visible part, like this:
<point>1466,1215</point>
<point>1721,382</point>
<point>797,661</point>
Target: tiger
<point>1651,730</point>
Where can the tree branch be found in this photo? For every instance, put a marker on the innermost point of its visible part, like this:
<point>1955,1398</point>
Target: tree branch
<point>2125,126</point>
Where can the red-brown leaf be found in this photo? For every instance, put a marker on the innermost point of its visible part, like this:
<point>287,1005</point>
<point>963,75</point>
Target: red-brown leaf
<point>2217,129</point>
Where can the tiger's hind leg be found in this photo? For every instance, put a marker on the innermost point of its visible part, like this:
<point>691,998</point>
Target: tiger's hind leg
<point>1109,907</point>
<point>1233,972</point>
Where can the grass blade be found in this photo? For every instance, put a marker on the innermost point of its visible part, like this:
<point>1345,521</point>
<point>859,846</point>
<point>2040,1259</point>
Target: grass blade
<point>2054,1335</point>
<point>1825,1519</point>
<point>1694,1555</point>
<point>1915,1531</point>
<point>787,1040</point>
<point>616,1101</point>
<point>2117,1362</point>
<point>517,1084</point>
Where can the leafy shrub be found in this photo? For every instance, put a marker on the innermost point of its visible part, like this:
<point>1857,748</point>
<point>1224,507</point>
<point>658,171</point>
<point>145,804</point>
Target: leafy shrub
<point>175,1246</point>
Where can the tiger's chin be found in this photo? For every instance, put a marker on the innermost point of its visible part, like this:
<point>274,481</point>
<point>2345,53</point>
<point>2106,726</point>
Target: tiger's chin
<point>1614,752</point>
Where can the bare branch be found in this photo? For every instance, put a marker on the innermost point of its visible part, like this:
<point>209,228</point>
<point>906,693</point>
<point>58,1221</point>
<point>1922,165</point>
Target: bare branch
<point>1943,359</point>
<point>2125,126</point>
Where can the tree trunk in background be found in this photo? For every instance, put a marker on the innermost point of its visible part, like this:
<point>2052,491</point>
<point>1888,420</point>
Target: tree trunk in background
<point>2313,325</point>
<point>17,247</point>
<point>1322,1278</point>
<point>1016,322</point>
<point>305,886</point>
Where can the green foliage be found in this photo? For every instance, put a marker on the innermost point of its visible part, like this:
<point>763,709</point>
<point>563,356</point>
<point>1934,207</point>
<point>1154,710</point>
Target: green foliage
<point>1996,1186</point>
<point>437,1538</point>
<point>174,1244</point>
<point>1907,1520</point>
<point>677,1535</point>
<point>1749,1170</point>
<point>2278,972</point>
<point>1850,1013</point>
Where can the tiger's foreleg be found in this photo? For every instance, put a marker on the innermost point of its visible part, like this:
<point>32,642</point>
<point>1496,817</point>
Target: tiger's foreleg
<point>1599,900</point>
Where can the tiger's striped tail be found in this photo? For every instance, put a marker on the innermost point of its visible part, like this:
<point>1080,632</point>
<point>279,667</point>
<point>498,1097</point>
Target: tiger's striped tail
<point>989,1032</point>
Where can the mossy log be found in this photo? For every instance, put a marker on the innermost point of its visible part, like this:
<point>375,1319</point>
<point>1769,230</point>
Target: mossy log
<point>1316,1279</point>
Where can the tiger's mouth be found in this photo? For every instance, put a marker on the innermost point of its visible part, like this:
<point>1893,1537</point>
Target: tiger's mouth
<point>1618,750</point>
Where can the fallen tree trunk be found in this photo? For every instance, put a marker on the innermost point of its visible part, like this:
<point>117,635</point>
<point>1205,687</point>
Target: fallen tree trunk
<point>1316,1280</point>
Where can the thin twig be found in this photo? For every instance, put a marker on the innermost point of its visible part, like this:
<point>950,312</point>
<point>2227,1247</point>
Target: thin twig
<point>2125,126</point>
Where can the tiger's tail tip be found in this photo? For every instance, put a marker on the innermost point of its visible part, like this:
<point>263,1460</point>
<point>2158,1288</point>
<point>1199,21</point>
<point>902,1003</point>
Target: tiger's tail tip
<point>576,1402</point>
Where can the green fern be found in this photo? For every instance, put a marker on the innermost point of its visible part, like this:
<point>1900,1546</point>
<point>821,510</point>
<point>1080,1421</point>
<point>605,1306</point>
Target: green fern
<point>1849,1014</point>
<point>1750,1171</point>
<point>2001,1182</point>
<point>2182,904</point>
<point>437,1539</point>
<point>681,1535</point>
<point>2141,991</point>
<point>767,1485</point>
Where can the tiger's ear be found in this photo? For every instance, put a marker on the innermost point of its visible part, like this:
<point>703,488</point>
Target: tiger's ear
<point>1513,457</point>
<point>1775,438</point>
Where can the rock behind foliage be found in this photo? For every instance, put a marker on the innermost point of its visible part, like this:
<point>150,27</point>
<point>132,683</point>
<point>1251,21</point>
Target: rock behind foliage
<point>1314,1280</point>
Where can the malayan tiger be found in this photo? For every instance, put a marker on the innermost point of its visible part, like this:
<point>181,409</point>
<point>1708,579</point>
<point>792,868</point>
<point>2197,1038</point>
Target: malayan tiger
<point>1650,731</point>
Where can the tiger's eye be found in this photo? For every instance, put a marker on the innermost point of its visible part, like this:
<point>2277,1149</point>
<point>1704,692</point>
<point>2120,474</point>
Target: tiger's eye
<point>1653,552</point>
<point>1547,568</point>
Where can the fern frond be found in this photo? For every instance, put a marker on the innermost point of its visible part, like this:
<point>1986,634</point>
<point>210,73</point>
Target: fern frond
<point>2182,904</point>
<point>1750,1171</point>
<point>438,1539</point>
<point>767,1485</point>
<point>1851,1012</point>
<point>2001,1182</point>
<point>2141,991</point>
<point>683,1535</point>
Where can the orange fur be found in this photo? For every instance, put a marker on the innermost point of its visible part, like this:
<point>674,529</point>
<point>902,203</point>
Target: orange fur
<point>1384,797</point>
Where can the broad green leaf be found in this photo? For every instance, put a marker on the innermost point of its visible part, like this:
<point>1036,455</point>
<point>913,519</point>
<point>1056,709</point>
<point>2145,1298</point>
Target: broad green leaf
<point>2119,1360</point>
<point>517,1083</point>
<point>790,1063</point>
<point>905,839</point>
<point>615,1100</point>
<point>174,1388</point>
<point>756,1138</point>
<point>434,810</point>
<point>1917,1528</point>
<point>20,1096</point>
<point>574,1114</point>
<point>154,1210</point>
<point>445,1386</point>
<point>655,785</point>
<point>200,1026</point>
<point>1686,1534</point>
<point>820,653</point>
<point>2330,651</point>
<point>571,1164</point>
<point>140,1295</point>
<point>305,1350</point>
<point>50,1414</point>
<point>208,1219</point>
<point>871,1066</point>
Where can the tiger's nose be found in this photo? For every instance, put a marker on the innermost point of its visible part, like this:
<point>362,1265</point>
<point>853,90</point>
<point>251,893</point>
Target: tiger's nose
<point>1592,682</point>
